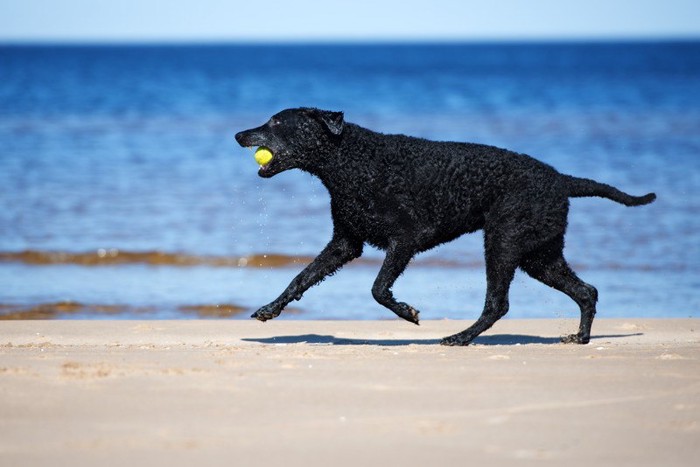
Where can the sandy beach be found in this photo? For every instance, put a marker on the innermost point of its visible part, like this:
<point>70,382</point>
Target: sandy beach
<point>86,393</point>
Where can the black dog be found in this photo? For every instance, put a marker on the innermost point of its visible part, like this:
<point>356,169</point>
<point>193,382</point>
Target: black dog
<point>406,195</point>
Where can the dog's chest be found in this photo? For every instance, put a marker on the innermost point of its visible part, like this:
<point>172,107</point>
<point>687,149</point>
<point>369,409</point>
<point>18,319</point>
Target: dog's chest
<point>376,217</point>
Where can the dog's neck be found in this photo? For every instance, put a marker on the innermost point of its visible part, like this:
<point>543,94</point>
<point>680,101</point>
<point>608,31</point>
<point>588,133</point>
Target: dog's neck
<point>334,164</point>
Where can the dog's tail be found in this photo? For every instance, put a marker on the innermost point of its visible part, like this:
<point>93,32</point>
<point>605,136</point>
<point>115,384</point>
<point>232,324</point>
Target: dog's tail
<point>582,187</point>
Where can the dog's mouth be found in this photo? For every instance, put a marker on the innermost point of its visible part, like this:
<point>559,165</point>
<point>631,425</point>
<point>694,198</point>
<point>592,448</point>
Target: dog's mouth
<point>265,171</point>
<point>264,157</point>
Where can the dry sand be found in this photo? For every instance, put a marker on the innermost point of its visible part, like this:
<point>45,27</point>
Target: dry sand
<point>86,393</point>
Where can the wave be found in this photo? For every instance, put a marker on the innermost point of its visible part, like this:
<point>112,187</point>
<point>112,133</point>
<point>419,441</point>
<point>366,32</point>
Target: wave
<point>113,256</point>
<point>108,257</point>
<point>66,309</point>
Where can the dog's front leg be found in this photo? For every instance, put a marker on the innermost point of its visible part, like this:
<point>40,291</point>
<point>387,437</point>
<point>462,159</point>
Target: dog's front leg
<point>397,258</point>
<point>340,250</point>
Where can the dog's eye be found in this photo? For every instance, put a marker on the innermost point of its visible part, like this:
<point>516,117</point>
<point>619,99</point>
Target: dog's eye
<point>274,122</point>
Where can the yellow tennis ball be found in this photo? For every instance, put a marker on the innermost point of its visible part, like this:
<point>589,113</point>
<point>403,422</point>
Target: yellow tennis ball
<point>263,156</point>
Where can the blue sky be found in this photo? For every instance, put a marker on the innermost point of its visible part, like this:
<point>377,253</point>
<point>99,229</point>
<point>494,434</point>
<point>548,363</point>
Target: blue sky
<point>348,20</point>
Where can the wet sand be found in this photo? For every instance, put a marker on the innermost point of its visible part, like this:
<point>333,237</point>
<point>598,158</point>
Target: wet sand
<point>85,393</point>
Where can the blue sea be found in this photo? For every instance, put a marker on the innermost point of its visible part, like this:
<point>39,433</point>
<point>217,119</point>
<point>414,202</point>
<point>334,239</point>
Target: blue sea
<point>123,193</point>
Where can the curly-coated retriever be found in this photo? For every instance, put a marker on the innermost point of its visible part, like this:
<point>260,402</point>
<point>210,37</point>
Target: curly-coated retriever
<point>406,195</point>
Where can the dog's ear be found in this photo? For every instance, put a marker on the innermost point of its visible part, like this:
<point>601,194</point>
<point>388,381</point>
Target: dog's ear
<point>332,120</point>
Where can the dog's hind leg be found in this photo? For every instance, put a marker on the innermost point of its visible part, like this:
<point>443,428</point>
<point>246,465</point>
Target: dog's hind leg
<point>501,263</point>
<point>396,260</point>
<point>547,265</point>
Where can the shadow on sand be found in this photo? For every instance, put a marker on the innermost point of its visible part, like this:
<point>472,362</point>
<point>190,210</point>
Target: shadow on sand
<point>498,339</point>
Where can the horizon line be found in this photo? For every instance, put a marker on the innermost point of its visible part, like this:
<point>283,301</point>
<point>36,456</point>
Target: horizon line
<point>348,41</point>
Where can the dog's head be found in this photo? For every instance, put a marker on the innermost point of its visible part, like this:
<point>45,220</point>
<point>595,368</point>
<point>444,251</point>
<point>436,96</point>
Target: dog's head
<point>297,138</point>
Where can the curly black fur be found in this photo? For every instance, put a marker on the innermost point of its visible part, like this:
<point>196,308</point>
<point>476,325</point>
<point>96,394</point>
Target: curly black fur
<point>406,195</point>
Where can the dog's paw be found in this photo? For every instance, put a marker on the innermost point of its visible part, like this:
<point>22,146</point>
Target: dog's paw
<point>456,340</point>
<point>575,339</point>
<point>408,313</point>
<point>266,312</point>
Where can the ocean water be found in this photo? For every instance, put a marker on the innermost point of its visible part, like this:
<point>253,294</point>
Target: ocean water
<point>124,195</point>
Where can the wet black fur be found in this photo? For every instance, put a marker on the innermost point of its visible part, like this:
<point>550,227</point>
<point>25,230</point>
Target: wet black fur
<point>406,195</point>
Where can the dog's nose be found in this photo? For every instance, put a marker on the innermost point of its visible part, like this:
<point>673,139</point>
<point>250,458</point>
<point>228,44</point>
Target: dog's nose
<point>239,138</point>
